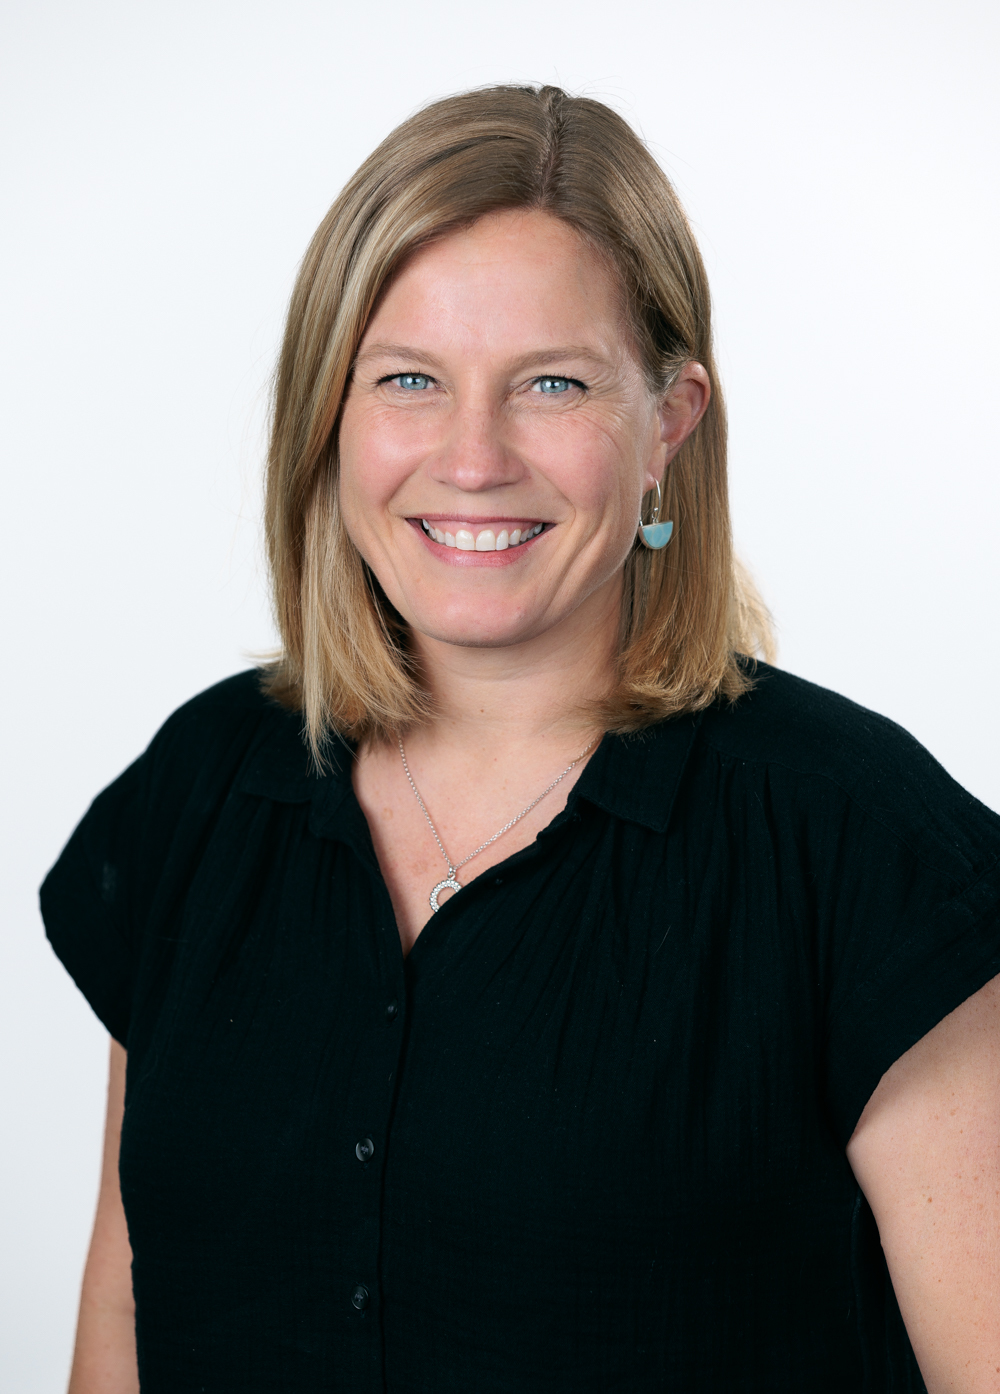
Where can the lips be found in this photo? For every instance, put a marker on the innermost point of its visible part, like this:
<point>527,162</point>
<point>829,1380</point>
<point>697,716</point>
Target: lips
<point>470,537</point>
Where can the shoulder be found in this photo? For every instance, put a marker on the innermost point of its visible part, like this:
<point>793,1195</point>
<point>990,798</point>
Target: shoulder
<point>823,749</point>
<point>236,703</point>
<point>208,739</point>
<point>788,721</point>
<point>242,694</point>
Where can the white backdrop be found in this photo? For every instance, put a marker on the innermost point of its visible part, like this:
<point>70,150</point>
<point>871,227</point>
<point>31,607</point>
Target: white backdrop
<point>164,168</point>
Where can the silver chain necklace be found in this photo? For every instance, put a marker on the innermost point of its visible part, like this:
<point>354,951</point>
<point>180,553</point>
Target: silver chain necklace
<point>451,881</point>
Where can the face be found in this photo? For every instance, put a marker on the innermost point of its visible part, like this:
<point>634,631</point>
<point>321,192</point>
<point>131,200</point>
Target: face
<point>498,436</point>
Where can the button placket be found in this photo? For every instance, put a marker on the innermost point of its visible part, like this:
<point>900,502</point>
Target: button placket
<point>366,1123</point>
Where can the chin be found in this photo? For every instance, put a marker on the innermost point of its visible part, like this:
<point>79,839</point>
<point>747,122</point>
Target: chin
<point>473,632</point>
<point>477,638</point>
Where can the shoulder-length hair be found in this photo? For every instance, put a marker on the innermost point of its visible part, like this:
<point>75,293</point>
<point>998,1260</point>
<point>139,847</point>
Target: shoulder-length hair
<point>688,612</point>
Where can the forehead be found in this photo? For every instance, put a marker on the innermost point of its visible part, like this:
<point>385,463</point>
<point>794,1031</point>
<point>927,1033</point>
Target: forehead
<point>513,278</point>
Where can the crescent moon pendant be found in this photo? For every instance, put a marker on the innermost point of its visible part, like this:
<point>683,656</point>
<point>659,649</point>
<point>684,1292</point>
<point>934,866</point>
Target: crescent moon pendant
<point>449,884</point>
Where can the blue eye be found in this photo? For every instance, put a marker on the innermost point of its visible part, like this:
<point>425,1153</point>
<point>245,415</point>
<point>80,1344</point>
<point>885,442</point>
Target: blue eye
<point>412,382</point>
<point>553,386</point>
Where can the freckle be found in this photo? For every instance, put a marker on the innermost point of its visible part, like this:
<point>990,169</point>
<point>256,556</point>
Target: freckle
<point>929,1199</point>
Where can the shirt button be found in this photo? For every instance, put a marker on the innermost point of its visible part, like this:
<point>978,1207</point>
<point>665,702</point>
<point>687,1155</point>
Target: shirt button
<point>392,1011</point>
<point>359,1297</point>
<point>365,1150</point>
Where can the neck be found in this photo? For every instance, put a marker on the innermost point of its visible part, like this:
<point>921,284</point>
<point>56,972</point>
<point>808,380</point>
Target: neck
<point>527,694</point>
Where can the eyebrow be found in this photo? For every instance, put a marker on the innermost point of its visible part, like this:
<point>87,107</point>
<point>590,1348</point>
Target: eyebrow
<point>534,359</point>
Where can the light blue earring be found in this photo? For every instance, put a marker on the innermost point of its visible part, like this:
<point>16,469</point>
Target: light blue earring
<point>656,535</point>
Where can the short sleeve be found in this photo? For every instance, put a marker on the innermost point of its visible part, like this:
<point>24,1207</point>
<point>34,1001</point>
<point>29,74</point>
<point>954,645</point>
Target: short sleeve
<point>87,899</point>
<point>887,873</point>
<point>110,902</point>
<point>908,907</point>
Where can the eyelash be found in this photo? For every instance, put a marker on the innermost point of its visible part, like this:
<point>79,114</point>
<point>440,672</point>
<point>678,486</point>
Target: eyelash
<point>542,377</point>
<point>391,377</point>
<point>559,377</point>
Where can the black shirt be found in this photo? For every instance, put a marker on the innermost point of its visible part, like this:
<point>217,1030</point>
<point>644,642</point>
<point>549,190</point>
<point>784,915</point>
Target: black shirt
<point>590,1135</point>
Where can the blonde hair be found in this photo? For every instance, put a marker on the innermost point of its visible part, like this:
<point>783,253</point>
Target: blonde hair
<point>688,612</point>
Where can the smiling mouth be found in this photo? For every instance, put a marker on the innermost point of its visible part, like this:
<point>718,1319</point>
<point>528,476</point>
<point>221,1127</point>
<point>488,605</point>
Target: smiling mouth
<point>475,539</point>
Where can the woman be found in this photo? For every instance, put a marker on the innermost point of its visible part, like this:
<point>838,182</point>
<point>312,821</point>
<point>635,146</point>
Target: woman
<point>522,988</point>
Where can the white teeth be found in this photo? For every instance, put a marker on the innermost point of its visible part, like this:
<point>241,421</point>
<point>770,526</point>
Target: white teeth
<point>483,541</point>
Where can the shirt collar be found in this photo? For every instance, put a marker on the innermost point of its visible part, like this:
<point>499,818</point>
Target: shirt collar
<point>636,777</point>
<point>633,777</point>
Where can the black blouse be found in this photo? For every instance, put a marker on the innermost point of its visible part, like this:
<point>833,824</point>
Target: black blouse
<point>589,1138</point>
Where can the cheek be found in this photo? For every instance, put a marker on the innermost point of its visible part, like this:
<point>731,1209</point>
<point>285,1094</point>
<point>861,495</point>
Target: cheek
<point>370,469</point>
<point>360,489</point>
<point>601,474</point>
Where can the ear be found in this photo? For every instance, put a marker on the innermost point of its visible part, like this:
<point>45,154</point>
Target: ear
<point>679,412</point>
<point>683,406</point>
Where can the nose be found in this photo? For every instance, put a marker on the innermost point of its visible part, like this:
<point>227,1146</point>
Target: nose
<point>475,454</point>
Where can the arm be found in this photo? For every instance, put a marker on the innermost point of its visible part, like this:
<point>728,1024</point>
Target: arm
<point>104,1360</point>
<point>926,1153</point>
